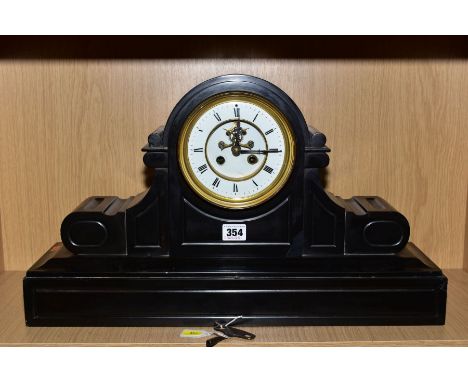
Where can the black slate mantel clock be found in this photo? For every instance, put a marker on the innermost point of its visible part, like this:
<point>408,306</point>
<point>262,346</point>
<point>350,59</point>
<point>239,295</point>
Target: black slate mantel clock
<point>236,222</point>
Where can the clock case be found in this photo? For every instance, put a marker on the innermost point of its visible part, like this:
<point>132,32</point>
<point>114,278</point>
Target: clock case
<point>310,257</point>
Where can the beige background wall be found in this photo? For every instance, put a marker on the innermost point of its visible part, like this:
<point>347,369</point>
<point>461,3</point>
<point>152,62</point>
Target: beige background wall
<point>74,128</point>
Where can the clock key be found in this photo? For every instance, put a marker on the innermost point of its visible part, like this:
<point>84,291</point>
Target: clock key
<point>231,331</point>
<point>235,332</point>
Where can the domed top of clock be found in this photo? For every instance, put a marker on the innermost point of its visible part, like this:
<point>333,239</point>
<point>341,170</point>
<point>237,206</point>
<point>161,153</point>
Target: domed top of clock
<point>236,140</point>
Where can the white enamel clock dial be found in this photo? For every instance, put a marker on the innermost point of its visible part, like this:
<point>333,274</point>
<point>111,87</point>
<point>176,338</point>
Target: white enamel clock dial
<point>236,150</point>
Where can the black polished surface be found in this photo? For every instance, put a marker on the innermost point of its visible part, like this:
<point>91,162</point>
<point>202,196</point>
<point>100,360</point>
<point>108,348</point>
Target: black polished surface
<point>410,261</point>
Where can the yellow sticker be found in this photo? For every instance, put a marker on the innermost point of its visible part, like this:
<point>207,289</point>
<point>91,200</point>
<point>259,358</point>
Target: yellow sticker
<point>188,332</point>
<point>194,333</point>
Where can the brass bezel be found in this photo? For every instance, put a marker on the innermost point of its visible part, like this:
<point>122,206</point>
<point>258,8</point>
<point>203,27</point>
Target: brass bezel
<point>253,200</point>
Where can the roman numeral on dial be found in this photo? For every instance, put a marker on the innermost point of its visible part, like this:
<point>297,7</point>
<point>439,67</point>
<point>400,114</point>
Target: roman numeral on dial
<point>268,132</point>
<point>216,115</point>
<point>236,112</point>
<point>268,169</point>
<point>203,168</point>
<point>198,150</point>
<point>216,182</point>
<point>234,187</point>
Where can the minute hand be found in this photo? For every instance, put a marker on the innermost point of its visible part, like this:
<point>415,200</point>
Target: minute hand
<point>270,151</point>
